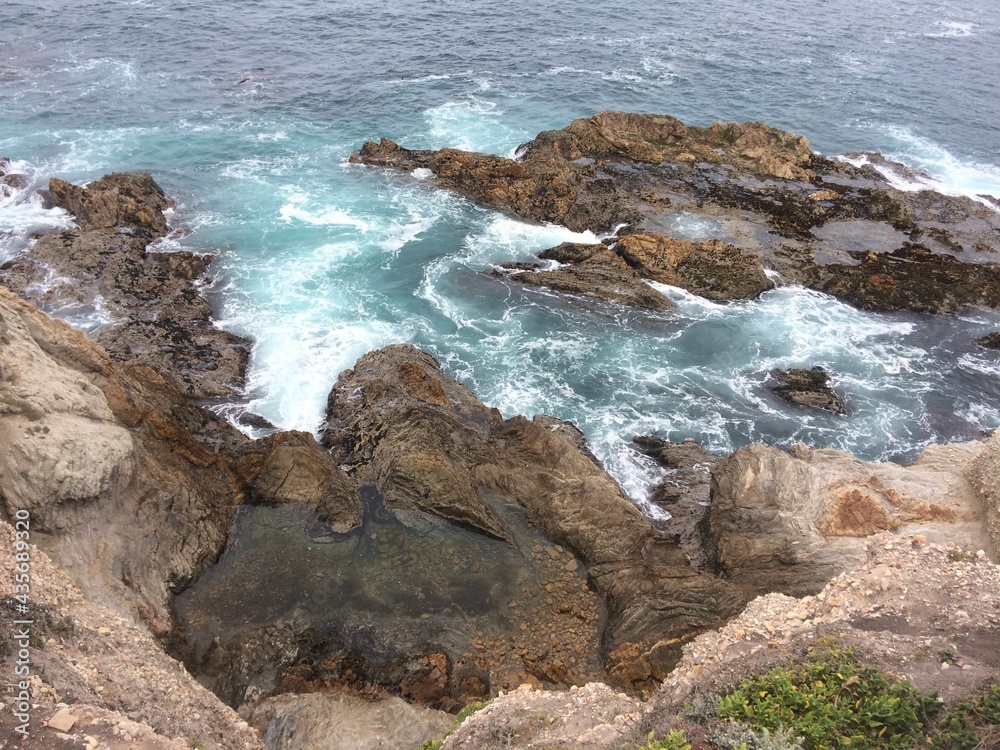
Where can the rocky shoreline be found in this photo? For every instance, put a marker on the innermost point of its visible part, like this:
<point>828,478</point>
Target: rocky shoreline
<point>425,547</point>
<point>778,207</point>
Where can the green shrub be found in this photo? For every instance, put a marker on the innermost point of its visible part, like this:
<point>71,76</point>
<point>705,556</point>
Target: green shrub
<point>461,716</point>
<point>832,705</point>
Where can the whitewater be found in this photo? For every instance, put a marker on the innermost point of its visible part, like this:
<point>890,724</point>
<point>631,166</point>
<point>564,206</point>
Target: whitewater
<point>246,114</point>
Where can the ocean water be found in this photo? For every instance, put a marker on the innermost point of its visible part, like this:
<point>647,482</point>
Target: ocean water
<point>246,113</point>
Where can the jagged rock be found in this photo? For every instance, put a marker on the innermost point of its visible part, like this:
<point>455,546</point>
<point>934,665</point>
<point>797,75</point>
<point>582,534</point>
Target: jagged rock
<point>990,341</point>
<point>684,492</point>
<point>132,202</point>
<point>790,521</point>
<point>711,269</point>
<point>807,388</point>
<point>345,722</point>
<point>159,317</point>
<point>601,274</point>
<point>825,224</point>
<point>424,440</point>
<point>128,485</point>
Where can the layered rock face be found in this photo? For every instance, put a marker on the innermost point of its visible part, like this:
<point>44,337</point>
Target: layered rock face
<point>125,480</point>
<point>157,315</point>
<point>131,488</point>
<point>789,521</point>
<point>827,225</point>
<point>426,443</point>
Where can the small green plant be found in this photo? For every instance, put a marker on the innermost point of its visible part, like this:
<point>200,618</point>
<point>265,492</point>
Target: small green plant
<point>832,704</point>
<point>673,741</point>
<point>957,554</point>
<point>461,716</point>
<point>466,712</point>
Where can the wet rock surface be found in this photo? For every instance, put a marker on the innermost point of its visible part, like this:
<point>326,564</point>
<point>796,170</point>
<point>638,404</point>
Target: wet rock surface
<point>685,492</point>
<point>652,592</point>
<point>596,271</point>
<point>155,312</point>
<point>826,224</point>
<point>807,388</point>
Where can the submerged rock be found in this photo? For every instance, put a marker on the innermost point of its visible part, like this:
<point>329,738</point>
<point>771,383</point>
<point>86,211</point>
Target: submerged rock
<point>990,341</point>
<point>825,224</point>
<point>150,305</point>
<point>807,388</point>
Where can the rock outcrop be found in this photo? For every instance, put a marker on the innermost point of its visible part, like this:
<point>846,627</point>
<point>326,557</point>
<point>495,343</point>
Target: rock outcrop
<point>592,271</point>
<point>789,521</point>
<point>828,225</point>
<point>916,610</point>
<point>397,421</point>
<point>155,314</point>
<point>291,467</point>
<point>345,722</point>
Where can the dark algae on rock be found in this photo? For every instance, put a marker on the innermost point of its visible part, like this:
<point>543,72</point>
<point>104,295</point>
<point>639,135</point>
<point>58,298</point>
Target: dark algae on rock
<point>157,314</point>
<point>807,388</point>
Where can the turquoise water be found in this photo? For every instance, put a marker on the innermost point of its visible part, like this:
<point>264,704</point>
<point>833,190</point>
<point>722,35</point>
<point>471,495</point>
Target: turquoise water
<point>246,112</point>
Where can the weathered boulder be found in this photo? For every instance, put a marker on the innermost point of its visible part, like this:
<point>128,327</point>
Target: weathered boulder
<point>155,312</point>
<point>825,224</point>
<point>291,467</point>
<point>807,388</point>
<point>788,521</point>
